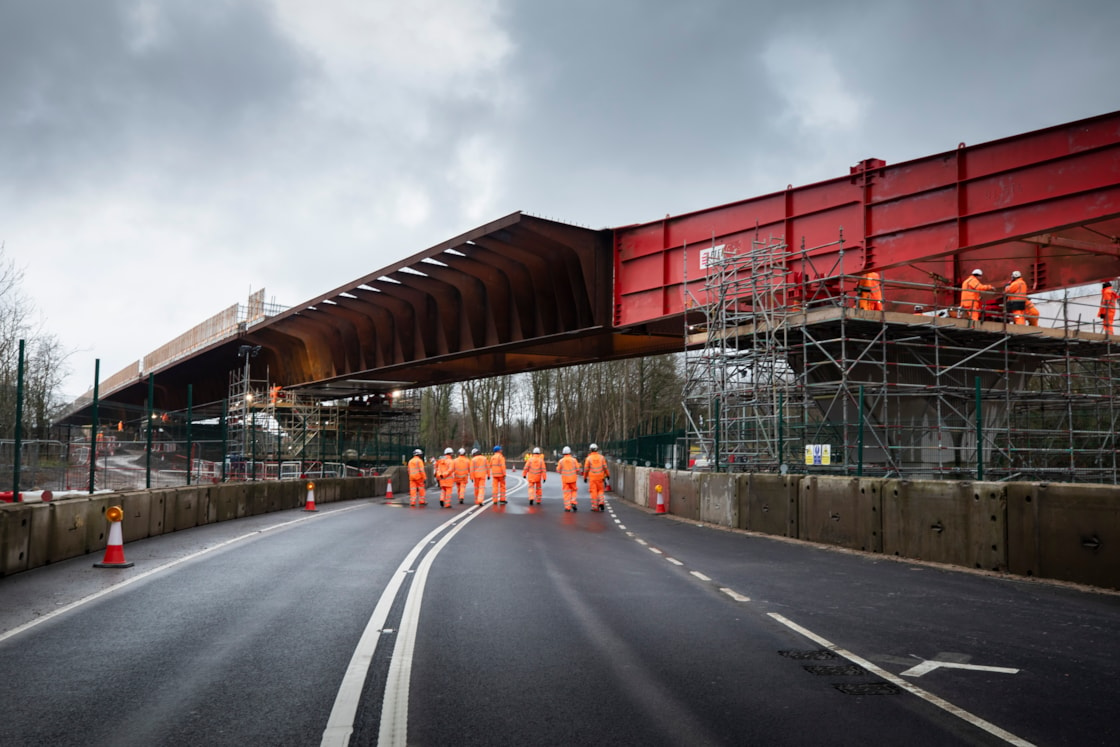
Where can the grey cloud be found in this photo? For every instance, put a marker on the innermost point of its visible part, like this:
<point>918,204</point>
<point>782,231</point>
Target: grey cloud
<point>83,99</point>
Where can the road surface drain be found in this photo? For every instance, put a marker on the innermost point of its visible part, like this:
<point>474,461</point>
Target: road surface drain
<point>867,688</point>
<point>821,654</point>
<point>851,670</point>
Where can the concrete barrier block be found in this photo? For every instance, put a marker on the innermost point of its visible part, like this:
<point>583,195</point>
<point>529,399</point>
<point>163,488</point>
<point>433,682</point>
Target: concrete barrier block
<point>42,520</point>
<point>222,502</point>
<point>960,523</point>
<point>15,537</point>
<point>97,526</point>
<point>241,497</point>
<point>629,479</point>
<point>719,499</point>
<point>658,478</point>
<point>137,507</point>
<point>158,523</point>
<point>1023,531</point>
<point>1079,533</point>
<point>67,537</point>
<point>641,487</point>
<point>185,508</point>
<point>844,511</point>
<point>771,504</point>
<point>685,495</point>
<point>256,498</point>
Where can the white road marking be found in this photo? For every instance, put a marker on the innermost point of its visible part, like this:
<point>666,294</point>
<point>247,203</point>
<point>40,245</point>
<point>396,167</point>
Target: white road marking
<point>735,595</point>
<point>621,526</point>
<point>907,686</point>
<point>641,541</point>
<point>340,724</point>
<point>394,708</point>
<point>700,576</point>
<point>674,561</point>
<point>158,569</point>
<point>928,666</point>
<point>654,549</point>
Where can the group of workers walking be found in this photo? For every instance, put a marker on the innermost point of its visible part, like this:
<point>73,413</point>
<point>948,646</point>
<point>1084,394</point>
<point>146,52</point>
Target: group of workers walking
<point>452,473</point>
<point>869,297</point>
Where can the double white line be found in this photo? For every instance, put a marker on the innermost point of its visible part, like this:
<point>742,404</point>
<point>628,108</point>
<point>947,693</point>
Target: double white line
<point>394,708</point>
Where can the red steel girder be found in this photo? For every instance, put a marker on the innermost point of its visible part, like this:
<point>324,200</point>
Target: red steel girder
<point>1046,203</point>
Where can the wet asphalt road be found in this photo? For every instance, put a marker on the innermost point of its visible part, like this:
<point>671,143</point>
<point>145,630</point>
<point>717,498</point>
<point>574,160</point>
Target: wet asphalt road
<point>528,625</point>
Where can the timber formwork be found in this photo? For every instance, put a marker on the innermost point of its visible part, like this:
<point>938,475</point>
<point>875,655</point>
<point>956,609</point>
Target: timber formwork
<point>826,387</point>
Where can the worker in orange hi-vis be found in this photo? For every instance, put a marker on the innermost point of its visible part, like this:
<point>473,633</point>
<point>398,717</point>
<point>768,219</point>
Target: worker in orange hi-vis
<point>568,469</point>
<point>971,289</point>
<point>537,472</point>
<point>417,476</point>
<point>445,474</point>
<point>1016,292</point>
<point>479,473</point>
<point>1031,313</point>
<point>870,291</point>
<point>1108,307</point>
<point>596,474</point>
<point>462,472</point>
<point>497,468</point>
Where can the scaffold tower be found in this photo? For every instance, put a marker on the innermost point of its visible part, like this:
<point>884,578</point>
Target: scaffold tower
<point>787,370</point>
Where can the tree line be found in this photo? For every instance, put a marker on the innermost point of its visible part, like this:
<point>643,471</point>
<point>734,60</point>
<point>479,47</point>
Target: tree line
<point>45,359</point>
<point>552,408</point>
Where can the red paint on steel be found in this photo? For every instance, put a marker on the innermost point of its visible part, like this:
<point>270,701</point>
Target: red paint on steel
<point>1046,203</point>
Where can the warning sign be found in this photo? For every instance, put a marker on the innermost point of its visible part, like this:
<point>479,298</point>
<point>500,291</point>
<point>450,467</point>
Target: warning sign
<point>818,454</point>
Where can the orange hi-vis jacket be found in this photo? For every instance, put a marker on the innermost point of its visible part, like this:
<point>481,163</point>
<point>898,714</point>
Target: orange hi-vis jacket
<point>1108,301</point>
<point>462,468</point>
<point>1017,290</point>
<point>535,468</point>
<point>498,465</point>
<point>416,470</point>
<point>595,467</point>
<point>445,471</point>
<point>971,288</point>
<point>478,468</point>
<point>568,469</point>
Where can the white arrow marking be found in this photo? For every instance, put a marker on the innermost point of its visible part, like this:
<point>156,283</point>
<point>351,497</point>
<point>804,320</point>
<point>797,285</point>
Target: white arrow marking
<point>928,666</point>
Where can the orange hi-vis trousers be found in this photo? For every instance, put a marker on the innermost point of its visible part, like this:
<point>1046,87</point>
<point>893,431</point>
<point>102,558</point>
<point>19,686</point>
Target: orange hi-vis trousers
<point>597,491</point>
<point>570,490</point>
<point>416,491</point>
<point>536,488</point>
<point>498,489</point>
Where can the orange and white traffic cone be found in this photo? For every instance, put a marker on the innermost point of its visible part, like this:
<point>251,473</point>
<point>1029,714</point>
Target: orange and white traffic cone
<point>114,551</point>
<point>310,505</point>
<point>660,500</point>
<point>389,491</point>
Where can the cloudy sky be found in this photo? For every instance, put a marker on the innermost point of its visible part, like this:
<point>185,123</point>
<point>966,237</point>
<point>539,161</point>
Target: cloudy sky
<point>161,159</point>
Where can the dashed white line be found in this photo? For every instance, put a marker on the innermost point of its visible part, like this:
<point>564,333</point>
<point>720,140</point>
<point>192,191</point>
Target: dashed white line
<point>640,541</point>
<point>700,575</point>
<point>674,561</point>
<point>654,549</point>
<point>735,595</point>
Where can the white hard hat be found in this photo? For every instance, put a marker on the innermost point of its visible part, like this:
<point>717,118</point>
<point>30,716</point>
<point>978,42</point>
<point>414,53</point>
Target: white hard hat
<point>462,451</point>
<point>1016,274</point>
<point>474,451</point>
<point>567,450</point>
<point>448,450</point>
<point>977,271</point>
<point>536,450</point>
<point>594,447</point>
<point>417,452</point>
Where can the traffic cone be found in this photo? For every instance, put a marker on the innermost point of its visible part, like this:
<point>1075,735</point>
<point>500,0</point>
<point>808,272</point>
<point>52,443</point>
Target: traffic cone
<point>114,551</point>
<point>389,491</point>
<point>660,500</point>
<point>310,505</point>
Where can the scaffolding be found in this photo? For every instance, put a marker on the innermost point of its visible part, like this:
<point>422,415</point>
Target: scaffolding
<point>785,372</point>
